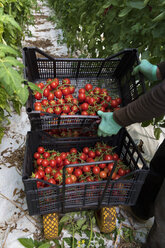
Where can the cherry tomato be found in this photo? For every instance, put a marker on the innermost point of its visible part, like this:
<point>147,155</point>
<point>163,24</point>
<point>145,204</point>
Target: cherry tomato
<point>114,103</point>
<point>71,89</point>
<point>66,109</point>
<point>74,178</point>
<point>91,154</point>
<point>58,94</point>
<point>51,180</point>
<point>96,170</point>
<point>84,106</point>
<point>57,110</point>
<point>37,155</point>
<point>39,161</point>
<point>45,162</point>
<point>46,92</point>
<point>68,180</point>
<point>73,150</point>
<point>42,173</point>
<point>50,96</point>
<point>41,149</point>
<point>46,155</point>
<point>88,87</point>
<point>86,168</point>
<point>81,97</point>
<point>110,166</point>
<point>86,150</point>
<point>66,81</point>
<point>52,163</point>
<point>82,90</point>
<point>115,156</point>
<point>38,95</point>
<point>69,98</point>
<point>70,170</point>
<point>78,172</point>
<point>45,102</point>
<point>103,174</point>
<point>48,170</point>
<point>121,172</point>
<point>102,166</point>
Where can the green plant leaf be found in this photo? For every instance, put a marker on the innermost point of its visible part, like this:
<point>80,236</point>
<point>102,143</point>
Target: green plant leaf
<point>45,245</point>
<point>56,241</point>
<point>146,123</point>
<point>64,219</point>
<point>28,243</point>
<point>136,4</point>
<point>125,11</point>
<point>80,222</point>
<point>68,241</point>
<point>34,87</point>
<point>157,132</point>
<point>7,49</point>
<point>13,61</point>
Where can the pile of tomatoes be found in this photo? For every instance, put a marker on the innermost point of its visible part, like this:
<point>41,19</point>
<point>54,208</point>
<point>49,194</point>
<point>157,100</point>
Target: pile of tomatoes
<point>49,165</point>
<point>60,97</point>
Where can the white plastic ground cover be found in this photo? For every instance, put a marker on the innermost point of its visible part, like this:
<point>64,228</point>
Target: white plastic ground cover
<point>15,221</point>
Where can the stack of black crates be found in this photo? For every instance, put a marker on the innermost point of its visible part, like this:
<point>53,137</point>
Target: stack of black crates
<point>112,73</point>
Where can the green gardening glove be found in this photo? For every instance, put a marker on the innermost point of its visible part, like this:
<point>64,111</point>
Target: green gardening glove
<point>107,125</point>
<point>147,69</point>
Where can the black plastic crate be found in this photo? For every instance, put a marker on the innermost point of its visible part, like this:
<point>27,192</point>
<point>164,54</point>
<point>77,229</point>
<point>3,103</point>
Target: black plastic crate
<point>112,73</point>
<point>87,195</point>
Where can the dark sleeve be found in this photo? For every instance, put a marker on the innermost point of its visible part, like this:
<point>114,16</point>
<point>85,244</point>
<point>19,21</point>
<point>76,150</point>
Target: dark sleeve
<point>146,107</point>
<point>162,69</point>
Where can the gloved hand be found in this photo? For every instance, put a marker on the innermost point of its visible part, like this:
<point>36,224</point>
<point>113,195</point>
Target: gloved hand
<point>147,69</point>
<point>107,125</point>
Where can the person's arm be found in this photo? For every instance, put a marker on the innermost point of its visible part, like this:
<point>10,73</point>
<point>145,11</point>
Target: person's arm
<point>146,107</point>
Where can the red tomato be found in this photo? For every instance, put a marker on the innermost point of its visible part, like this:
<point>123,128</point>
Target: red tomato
<point>110,166</point>
<point>74,108</point>
<point>75,101</point>
<point>48,170</point>
<point>63,155</point>
<point>50,96</point>
<point>51,180</point>
<point>42,173</point>
<point>52,102</point>
<point>39,161</point>
<point>38,95</point>
<point>91,154</point>
<point>88,87</point>
<point>86,150</point>
<point>50,110</point>
<point>68,180</point>
<point>86,168</point>
<point>91,101</point>
<point>41,149</point>
<point>66,109</point>
<point>83,156</point>
<point>103,174</point>
<point>96,170</point>
<point>115,156</point>
<point>54,83</point>
<point>58,176</point>
<point>60,102</point>
<point>66,81</point>
<point>74,178</point>
<point>70,170</point>
<point>45,102</point>
<point>84,113</point>
<point>52,163</point>
<point>69,98</point>
<point>46,155</point>
<point>102,166</point>
<point>71,89</point>
<point>65,91</point>
<point>58,94</point>
<point>66,161</point>
<point>73,150</point>
<point>45,162</point>
<point>41,85</point>
<point>82,90</point>
<point>36,155</point>
<point>108,157</point>
<point>58,160</point>
<point>97,90</point>
<point>118,100</point>
<point>78,172</point>
<point>81,97</point>
<point>57,110</point>
<point>46,92</point>
<point>121,172</point>
<point>114,103</point>
<point>84,106</point>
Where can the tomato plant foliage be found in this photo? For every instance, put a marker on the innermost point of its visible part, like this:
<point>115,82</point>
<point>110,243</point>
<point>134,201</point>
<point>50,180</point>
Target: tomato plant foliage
<point>101,28</point>
<point>15,16</point>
